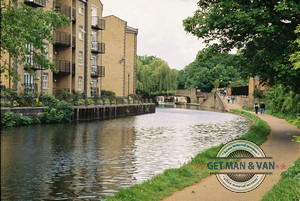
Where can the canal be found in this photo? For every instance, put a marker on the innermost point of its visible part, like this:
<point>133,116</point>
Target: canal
<point>91,160</point>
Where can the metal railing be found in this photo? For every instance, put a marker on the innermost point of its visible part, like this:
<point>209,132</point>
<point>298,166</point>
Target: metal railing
<point>73,14</point>
<point>35,3</point>
<point>98,71</point>
<point>30,87</point>
<point>98,23</point>
<point>62,66</point>
<point>98,47</point>
<point>62,38</point>
<point>62,8</point>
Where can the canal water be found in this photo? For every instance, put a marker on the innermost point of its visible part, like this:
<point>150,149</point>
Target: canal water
<point>91,160</point>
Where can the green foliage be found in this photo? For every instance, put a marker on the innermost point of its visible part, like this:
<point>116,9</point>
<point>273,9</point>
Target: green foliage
<point>295,57</point>
<point>258,94</point>
<point>209,70</point>
<point>17,32</point>
<point>263,31</point>
<point>108,94</point>
<point>58,113</point>
<point>154,77</point>
<point>10,119</point>
<point>62,95</point>
<point>288,187</point>
<point>24,120</point>
<point>91,101</point>
<point>49,100</point>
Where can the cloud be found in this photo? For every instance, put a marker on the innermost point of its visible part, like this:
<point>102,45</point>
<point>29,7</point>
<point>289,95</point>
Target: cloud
<point>161,32</point>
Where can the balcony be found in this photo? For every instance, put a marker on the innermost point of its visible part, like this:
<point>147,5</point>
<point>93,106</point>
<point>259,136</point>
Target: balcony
<point>73,68</point>
<point>62,66</point>
<point>35,3</point>
<point>73,41</point>
<point>32,65</point>
<point>98,48</point>
<point>62,8</point>
<point>73,14</point>
<point>98,23</point>
<point>98,71</point>
<point>62,38</point>
<point>30,87</point>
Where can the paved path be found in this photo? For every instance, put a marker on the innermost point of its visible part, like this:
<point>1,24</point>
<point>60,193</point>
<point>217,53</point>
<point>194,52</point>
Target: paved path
<point>279,146</point>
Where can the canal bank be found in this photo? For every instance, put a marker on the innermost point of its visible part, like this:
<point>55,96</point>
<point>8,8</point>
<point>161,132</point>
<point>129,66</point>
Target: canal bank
<point>279,146</point>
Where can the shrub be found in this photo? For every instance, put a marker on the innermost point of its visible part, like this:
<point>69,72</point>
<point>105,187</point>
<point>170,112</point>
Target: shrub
<point>108,94</point>
<point>62,95</point>
<point>80,102</point>
<point>49,100</point>
<point>59,113</point>
<point>24,120</point>
<point>10,119</point>
<point>91,101</point>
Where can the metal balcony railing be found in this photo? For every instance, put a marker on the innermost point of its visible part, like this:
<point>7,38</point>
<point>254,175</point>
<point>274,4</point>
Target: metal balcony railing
<point>62,38</point>
<point>98,23</point>
<point>35,3</point>
<point>98,71</point>
<point>98,47</point>
<point>30,87</point>
<point>32,65</point>
<point>62,8</point>
<point>62,66</point>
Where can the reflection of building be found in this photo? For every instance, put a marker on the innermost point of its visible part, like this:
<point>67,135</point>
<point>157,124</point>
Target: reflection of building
<point>78,53</point>
<point>120,56</point>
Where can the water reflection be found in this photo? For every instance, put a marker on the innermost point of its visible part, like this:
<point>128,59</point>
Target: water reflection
<point>92,160</point>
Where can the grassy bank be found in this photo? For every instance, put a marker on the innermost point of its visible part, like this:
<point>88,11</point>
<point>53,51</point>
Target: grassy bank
<point>291,118</point>
<point>172,180</point>
<point>288,187</point>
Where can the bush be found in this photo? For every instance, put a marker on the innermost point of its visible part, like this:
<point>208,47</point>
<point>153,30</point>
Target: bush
<point>80,102</point>
<point>91,101</point>
<point>59,113</point>
<point>108,94</point>
<point>24,120</point>
<point>49,100</point>
<point>10,119</point>
<point>62,95</point>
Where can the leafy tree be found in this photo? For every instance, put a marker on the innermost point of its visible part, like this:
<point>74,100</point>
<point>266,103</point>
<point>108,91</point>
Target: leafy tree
<point>262,30</point>
<point>295,57</point>
<point>23,25</point>
<point>208,67</point>
<point>154,76</point>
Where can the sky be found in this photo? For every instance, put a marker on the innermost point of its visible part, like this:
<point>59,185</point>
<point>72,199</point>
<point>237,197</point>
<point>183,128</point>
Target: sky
<point>160,29</point>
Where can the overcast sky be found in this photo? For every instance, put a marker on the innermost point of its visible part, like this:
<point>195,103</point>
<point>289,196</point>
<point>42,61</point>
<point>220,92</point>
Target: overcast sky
<point>159,22</point>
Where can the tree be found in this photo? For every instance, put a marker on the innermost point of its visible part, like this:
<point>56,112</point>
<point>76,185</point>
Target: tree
<point>262,30</point>
<point>208,67</point>
<point>295,57</point>
<point>154,77</point>
<point>23,26</point>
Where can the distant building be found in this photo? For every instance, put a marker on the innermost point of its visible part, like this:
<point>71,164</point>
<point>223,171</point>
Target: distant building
<point>80,53</point>
<point>120,57</point>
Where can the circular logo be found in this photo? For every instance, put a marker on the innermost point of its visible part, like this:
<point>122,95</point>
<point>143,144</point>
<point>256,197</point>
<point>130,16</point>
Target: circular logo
<point>237,181</point>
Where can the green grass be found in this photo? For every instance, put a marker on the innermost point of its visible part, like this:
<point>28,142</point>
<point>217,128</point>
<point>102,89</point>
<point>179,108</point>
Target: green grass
<point>288,187</point>
<point>172,180</point>
<point>290,118</point>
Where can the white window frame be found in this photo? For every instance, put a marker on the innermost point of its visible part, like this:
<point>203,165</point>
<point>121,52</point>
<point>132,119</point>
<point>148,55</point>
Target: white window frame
<point>79,83</point>
<point>28,80</point>
<point>29,56</point>
<point>94,14</point>
<point>94,61</point>
<point>80,59</point>
<point>81,32</point>
<point>45,81</point>
<point>94,40</point>
<point>81,8</point>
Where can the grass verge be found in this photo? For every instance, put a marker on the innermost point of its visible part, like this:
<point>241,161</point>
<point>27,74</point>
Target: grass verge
<point>172,180</point>
<point>288,187</point>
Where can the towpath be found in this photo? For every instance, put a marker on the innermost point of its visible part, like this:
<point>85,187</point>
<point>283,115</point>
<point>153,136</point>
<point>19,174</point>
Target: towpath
<point>278,145</point>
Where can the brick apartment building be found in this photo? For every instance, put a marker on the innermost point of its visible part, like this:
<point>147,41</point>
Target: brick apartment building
<point>91,54</point>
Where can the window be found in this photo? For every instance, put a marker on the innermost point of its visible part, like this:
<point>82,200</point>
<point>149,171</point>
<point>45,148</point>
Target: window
<point>94,16</point>
<point>29,55</point>
<point>80,58</point>
<point>45,80</point>
<point>94,89</point>
<point>94,40</point>
<point>79,83</point>
<point>81,7</point>
<point>94,63</point>
<point>46,46</point>
<point>28,81</point>
<point>80,34</point>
